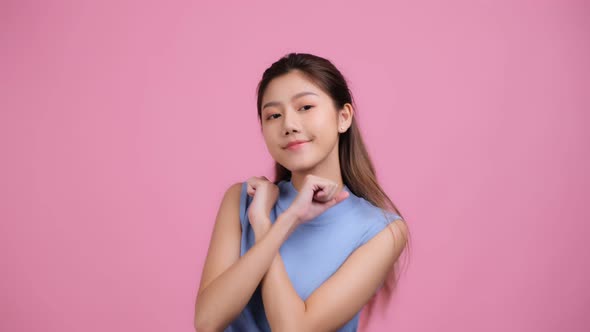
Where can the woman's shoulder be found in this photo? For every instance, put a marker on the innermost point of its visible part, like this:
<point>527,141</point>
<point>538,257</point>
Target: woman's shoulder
<point>373,220</point>
<point>238,191</point>
<point>234,191</point>
<point>372,213</point>
<point>369,209</point>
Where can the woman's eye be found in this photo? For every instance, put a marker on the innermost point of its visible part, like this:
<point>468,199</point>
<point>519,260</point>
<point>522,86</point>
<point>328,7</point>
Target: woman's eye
<point>306,107</point>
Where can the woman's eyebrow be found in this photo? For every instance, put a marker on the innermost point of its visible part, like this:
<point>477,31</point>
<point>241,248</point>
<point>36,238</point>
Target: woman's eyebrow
<point>300,94</point>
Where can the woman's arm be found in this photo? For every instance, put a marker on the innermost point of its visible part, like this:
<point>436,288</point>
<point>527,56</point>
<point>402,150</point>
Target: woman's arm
<point>283,307</point>
<point>228,281</point>
<point>340,297</point>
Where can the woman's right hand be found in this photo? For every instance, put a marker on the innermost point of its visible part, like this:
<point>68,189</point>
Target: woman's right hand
<point>265,194</point>
<point>315,196</point>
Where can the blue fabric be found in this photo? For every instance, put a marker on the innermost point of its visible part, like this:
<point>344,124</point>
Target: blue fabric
<point>315,249</point>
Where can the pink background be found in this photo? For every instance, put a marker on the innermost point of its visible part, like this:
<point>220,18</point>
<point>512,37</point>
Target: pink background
<point>122,124</point>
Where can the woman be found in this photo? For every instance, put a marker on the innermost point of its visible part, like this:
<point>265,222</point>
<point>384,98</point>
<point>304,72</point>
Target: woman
<point>308,251</point>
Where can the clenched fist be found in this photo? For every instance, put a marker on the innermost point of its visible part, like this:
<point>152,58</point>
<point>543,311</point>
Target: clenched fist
<point>316,196</point>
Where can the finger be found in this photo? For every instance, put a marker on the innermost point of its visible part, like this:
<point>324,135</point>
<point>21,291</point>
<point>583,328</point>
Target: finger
<point>333,189</point>
<point>319,184</point>
<point>255,181</point>
<point>262,179</point>
<point>323,197</point>
<point>341,196</point>
<point>252,182</point>
<point>329,190</point>
<point>251,190</point>
<point>319,189</point>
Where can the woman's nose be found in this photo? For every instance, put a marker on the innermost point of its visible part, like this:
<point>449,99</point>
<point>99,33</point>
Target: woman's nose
<point>290,122</point>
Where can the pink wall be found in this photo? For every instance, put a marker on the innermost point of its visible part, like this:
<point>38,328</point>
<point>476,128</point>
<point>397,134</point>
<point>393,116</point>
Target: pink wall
<point>122,124</point>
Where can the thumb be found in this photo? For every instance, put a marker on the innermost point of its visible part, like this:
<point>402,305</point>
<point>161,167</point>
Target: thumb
<point>341,196</point>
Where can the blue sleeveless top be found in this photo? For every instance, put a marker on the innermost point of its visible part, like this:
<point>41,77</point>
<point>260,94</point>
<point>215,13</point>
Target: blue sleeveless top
<point>313,251</point>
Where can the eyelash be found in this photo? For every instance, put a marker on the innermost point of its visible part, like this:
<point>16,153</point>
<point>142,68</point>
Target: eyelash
<point>269,117</point>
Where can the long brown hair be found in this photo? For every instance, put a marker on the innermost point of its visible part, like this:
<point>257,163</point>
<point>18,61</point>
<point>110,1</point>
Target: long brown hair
<point>357,169</point>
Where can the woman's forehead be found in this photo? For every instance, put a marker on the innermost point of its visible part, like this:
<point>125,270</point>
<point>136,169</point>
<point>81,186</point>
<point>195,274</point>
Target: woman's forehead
<point>285,87</point>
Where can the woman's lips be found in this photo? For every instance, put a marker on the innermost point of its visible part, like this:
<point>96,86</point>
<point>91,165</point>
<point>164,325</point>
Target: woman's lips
<point>297,146</point>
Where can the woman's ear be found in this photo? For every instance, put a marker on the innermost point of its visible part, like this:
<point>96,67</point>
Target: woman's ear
<point>345,117</point>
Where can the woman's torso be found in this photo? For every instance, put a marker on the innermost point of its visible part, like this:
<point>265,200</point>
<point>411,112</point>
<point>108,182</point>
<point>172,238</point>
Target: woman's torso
<point>314,251</point>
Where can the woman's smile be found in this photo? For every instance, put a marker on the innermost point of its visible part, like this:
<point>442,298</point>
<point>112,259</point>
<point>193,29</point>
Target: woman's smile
<point>296,147</point>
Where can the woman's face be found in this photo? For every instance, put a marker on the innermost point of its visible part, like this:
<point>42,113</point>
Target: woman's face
<point>293,108</point>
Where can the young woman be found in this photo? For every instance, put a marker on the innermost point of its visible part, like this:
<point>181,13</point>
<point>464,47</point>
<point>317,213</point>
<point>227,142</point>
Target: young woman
<point>309,250</point>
